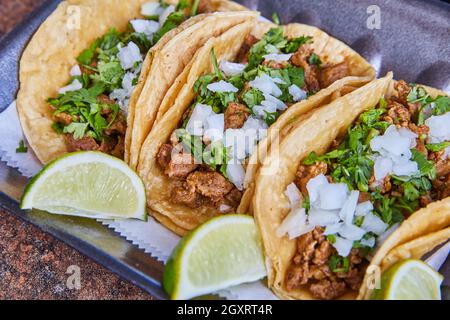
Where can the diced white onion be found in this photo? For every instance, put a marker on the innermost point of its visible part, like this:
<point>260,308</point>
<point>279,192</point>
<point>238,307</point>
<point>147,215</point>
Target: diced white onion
<point>333,228</point>
<point>382,168</point>
<point>195,125</point>
<point>373,223</point>
<point>294,195</point>
<point>231,69</point>
<point>236,140</point>
<point>333,196</point>
<point>165,14</point>
<point>151,9</point>
<point>343,246</point>
<point>314,185</point>
<point>351,232</point>
<point>129,56</point>
<point>74,86</point>
<point>370,242</point>
<point>280,105</point>
<point>147,27</point>
<point>266,85</point>
<point>75,71</point>
<point>236,174</point>
<point>122,95</point>
<point>277,57</point>
<point>257,125</point>
<point>363,208</point>
<point>214,127</point>
<point>297,93</point>
<point>395,147</point>
<point>222,86</point>
<point>348,209</point>
<point>323,218</point>
<point>439,128</point>
<point>406,169</point>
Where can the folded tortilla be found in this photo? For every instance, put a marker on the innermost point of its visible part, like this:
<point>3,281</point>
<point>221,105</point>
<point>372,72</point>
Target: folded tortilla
<point>315,132</point>
<point>179,98</point>
<point>70,29</point>
<point>164,64</point>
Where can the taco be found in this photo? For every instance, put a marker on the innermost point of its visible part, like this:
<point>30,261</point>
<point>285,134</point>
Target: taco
<point>239,85</point>
<point>364,180</point>
<point>80,69</point>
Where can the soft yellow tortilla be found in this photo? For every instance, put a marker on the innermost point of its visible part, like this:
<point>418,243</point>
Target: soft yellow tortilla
<point>177,101</point>
<point>48,58</point>
<point>331,51</point>
<point>176,217</point>
<point>415,249</point>
<point>168,62</point>
<point>315,132</point>
<point>431,219</point>
<point>52,52</point>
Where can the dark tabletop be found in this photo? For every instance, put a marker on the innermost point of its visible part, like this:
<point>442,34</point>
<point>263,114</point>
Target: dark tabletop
<point>33,264</point>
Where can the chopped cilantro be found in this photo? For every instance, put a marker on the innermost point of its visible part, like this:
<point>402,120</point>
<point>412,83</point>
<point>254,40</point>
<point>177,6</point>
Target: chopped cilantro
<point>22,148</point>
<point>276,18</point>
<point>338,264</point>
<point>315,60</point>
<point>195,6</point>
<point>436,147</point>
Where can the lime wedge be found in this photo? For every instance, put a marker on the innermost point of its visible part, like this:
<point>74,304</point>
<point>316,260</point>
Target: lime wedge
<point>409,280</point>
<point>221,253</point>
<point>87,184</point>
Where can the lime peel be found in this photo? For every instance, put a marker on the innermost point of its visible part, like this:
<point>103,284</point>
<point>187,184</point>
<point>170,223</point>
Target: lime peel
<point>224,252</point>
<point>89,184</point>
<point>409,280</point>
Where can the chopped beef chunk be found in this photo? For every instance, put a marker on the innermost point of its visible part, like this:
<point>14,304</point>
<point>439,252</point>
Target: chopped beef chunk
<point>103,98</point>
<point>89,71</point>
<point>310,266</point>
<point>205,6</point>
<point>64,118</point>
<point>331,74</point>
<point>118,127</point>
<point>425,200</point>
<point>403,90</point>
<point>247,45</point>
<point>306,173</point>
<point>235,115</point>
<point>397,114</point>
<point>180,166</point>
<point>233,198</point>
<point>442,185</point>
<point>112,142</point>
<point>210,184</point>
<point>312,72</point>
<point>385,186</point>
<point>186,195</point>
<point>364,197</point>
<point>274,64</point>
<point>327,289</point>
<point>83,144</point>
<point>443,168</point>
<point>164,155</point>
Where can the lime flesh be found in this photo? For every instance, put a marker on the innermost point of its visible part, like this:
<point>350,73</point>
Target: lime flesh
<point>224,252</point>
<point>88,184</point>
<point>409,280</point>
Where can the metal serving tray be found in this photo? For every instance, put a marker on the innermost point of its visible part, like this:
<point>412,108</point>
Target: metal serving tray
<point>413,40</point>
